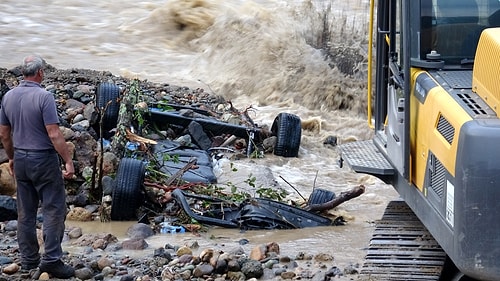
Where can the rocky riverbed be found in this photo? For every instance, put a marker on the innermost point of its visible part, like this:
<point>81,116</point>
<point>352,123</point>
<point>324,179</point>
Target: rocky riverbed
<point>103,256</point>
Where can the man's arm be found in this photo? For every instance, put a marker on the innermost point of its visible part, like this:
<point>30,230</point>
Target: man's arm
<point>59,143</point>
<point>7,140</point>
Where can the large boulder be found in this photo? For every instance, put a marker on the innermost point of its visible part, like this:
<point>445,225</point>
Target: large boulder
<point>140,230</point>
<point>85,147</point>
<point>7,183</point>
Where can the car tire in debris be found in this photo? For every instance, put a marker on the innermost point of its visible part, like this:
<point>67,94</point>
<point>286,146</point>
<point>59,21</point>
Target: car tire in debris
<point>107,95</point>
<point>288,131</point>
<point>320,196</point>
<point>127,191</point>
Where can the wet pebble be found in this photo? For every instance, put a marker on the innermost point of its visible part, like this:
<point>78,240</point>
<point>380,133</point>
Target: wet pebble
<point>252,268</point>
<point>203,269</point>
<point>84,273</point>
<point>44,276</point>
<point>351,269</point>
<point>78,118</point>
<point>220,266</point>
<point>11,269</point>
<point>288,275</point>
<point>104,262</point>
<point>108,271</point>
<point>322,257</point>
<point>5,260</point>
<point>11,225</point>
<point>140,230</point>
<point>330,140</point>
<point>243,241</point>
<point>270,263</point>
<point>135,244</point>
<point>334,271</point>
<point>184,250</point>
<point>233,265</point>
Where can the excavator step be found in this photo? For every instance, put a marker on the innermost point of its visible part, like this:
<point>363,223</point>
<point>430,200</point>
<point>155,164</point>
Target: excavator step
<point>364,157</point>
<point>401,248</point>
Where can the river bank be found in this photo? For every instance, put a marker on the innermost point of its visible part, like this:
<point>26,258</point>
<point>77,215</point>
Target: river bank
<point>151,256</point>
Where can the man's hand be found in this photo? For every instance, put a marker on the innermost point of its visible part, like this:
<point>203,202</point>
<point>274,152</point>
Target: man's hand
<point>11,167</point>
<point>69,172</point>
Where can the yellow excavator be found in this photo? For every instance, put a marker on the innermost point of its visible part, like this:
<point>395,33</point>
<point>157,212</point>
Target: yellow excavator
<point>435,110</point>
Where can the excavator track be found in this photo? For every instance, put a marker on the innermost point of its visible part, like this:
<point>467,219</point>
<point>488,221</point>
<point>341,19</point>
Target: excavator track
<point>401,248</point>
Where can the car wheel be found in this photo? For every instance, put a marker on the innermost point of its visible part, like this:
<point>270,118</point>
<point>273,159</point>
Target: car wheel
<point>288,131</point>
<point>127,191</point>
<point>107,95</point>
<point>320,196</point>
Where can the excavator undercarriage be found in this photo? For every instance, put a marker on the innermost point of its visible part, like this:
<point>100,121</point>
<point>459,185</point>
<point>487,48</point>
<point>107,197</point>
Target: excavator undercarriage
<point>402,248</point>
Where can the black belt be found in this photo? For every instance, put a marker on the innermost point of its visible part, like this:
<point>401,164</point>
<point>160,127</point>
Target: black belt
<point>35,151</point>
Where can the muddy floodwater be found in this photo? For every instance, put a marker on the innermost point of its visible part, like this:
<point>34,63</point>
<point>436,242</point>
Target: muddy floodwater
<point>346,243</point>
<point>301,57</point>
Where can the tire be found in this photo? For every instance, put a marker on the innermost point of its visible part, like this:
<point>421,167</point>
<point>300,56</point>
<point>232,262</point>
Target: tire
<point>108,92</point>
<point>320,196</point>
<point>127,192</point>
<point>288,131</point>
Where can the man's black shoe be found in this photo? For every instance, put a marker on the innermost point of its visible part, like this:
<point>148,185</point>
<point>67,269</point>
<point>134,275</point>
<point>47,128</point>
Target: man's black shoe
<point>58,269</point>
<point>29,266</point>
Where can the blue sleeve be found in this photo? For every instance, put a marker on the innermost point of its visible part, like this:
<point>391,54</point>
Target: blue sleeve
<point>49,110</point>
<point>3,118</point>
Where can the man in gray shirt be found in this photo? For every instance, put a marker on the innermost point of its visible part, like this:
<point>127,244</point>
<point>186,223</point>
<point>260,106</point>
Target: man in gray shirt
<point>30,134</point>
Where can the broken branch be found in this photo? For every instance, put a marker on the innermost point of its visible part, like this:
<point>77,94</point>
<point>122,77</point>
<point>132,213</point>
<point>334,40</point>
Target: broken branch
<point>344,196</point>
<point>293,188</point>
<point>136,138</point>
<point>191,164</point>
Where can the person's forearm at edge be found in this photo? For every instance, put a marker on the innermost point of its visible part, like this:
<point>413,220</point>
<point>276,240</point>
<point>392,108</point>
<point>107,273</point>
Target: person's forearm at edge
<point>60,146</point>
<point>7,141</point>
<point>8,146</point>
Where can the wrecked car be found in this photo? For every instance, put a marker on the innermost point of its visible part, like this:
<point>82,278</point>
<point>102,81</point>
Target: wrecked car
<point>252,213</point>
<point>193,164</point>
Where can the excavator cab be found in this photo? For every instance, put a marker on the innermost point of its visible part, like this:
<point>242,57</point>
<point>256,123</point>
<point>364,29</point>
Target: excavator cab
<point>435,111</point>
